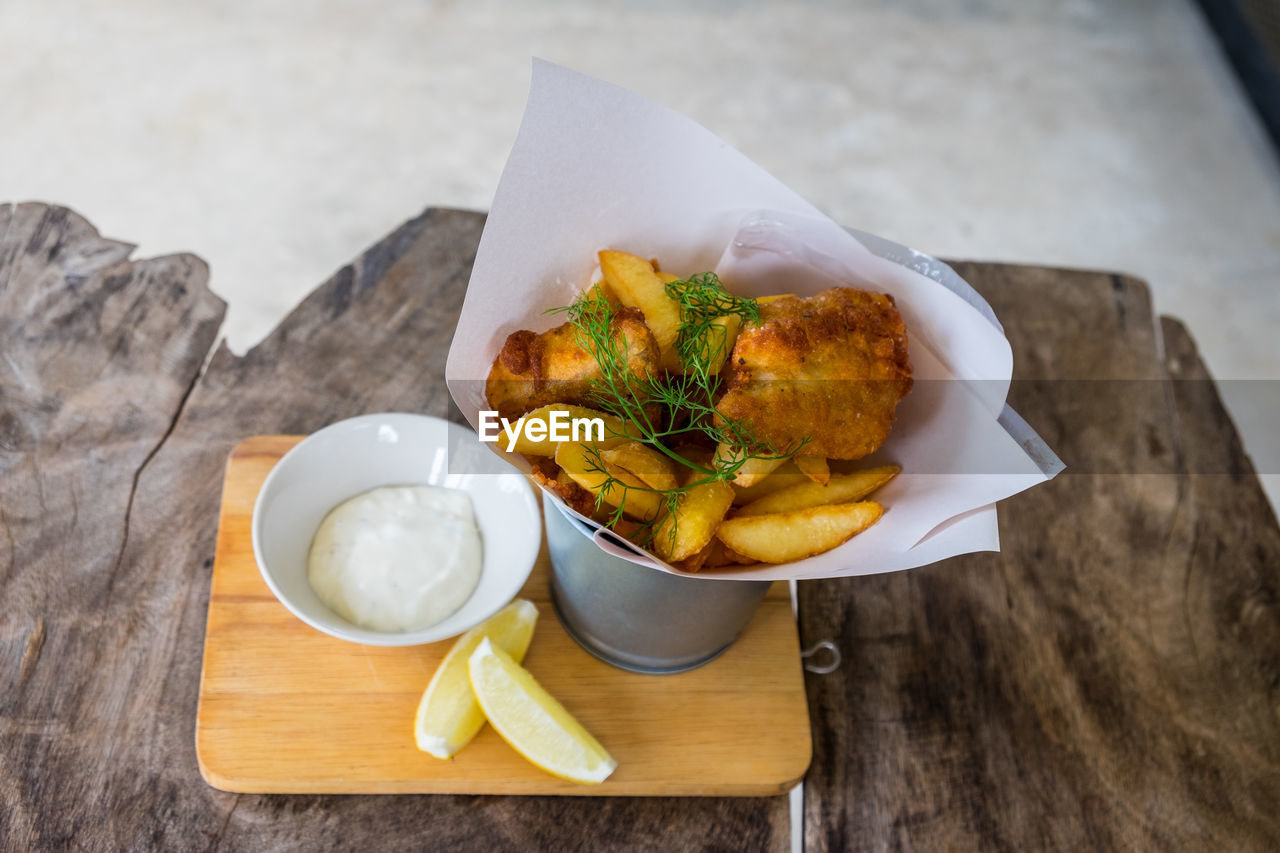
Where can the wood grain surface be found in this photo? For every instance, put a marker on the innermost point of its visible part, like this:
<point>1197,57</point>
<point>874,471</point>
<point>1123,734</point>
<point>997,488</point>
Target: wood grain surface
<point>103,634</point>
<point>1108,681</point>
<point>274,692</point>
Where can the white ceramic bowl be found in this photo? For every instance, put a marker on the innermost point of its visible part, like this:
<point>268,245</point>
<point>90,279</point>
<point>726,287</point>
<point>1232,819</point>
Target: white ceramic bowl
<point>352,456</point>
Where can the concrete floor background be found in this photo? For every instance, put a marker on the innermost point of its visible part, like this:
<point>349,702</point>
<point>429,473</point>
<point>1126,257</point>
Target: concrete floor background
<point>277,140</point>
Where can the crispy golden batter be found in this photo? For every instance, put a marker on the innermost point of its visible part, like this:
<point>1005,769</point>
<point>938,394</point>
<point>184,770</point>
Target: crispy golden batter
<point>831,367</point>
<point>547,474</point>
<point>533,369</point>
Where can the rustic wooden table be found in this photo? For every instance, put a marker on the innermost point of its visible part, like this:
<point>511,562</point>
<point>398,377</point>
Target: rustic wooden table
<point>1111,679</point>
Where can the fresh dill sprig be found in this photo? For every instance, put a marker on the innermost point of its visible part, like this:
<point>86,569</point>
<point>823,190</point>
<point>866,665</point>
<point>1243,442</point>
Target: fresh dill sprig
<point>704,306</point>
<point>702,341</point>
<point>644,528</point>
<point>687,399</point>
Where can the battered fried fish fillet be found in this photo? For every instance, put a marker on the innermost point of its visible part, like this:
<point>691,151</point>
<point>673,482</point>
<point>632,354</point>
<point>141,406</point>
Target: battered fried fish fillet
<point>533,369</point>
<point>831,367</point>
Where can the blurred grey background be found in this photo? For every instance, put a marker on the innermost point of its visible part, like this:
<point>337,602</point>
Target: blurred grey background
<point>278,139</point>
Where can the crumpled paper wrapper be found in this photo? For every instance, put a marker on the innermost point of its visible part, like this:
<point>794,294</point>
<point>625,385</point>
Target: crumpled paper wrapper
<point>595,166</point>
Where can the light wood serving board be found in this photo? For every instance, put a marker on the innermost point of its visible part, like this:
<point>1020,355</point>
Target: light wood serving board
<point>286,709</point>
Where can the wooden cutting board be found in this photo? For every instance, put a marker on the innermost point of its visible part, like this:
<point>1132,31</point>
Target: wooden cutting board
<point>286,709</point>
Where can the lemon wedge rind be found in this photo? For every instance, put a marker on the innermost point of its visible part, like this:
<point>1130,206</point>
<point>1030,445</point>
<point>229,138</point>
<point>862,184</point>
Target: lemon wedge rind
<point>532,721</point>
<point>448,715</point>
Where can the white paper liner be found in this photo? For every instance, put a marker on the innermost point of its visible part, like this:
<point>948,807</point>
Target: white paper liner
<point>595,166</point>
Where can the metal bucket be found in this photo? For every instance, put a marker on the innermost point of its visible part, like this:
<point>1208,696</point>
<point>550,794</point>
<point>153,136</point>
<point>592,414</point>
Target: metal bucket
<point>635,617</point>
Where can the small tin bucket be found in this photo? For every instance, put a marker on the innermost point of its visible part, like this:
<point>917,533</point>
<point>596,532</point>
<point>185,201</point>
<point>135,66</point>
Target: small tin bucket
<point>635,617</point>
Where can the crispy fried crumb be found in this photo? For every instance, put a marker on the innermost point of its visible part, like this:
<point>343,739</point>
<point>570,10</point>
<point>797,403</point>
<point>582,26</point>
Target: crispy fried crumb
<point>547,474</point>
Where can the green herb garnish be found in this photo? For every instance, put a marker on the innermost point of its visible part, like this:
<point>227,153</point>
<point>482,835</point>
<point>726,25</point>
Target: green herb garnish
<point>663,408</point>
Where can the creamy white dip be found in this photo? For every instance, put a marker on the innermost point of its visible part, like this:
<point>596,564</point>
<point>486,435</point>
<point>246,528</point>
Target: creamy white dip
<point>398,558</point>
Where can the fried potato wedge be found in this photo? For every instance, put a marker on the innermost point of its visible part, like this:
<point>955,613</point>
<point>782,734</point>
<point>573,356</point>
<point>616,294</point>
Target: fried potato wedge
<point>784,476</point>
<point>753,469</point>
<point>635,282</point>
<point>815,468</point>
<point>655,470</point>
<point>717,341</point>
<point>786,536</point>
<point>601,288</point>
<point>593,474</point>
<point>715,555</point>
<point>841,488</point>
<point>687,530</point>
<point>615,431</point>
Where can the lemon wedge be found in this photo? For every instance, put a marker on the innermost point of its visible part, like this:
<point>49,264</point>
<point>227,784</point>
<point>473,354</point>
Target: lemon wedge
<point>532,721</point>
<point>448,716</point>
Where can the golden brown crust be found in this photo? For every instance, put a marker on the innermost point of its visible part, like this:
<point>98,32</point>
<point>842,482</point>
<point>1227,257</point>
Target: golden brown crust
<point>533,370</point>
<point>831,367</point>
<point>521,353</point>
<point>546,473</point>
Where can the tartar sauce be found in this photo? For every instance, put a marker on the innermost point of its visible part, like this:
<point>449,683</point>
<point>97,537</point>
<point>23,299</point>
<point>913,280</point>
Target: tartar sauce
<point>397,558</point>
